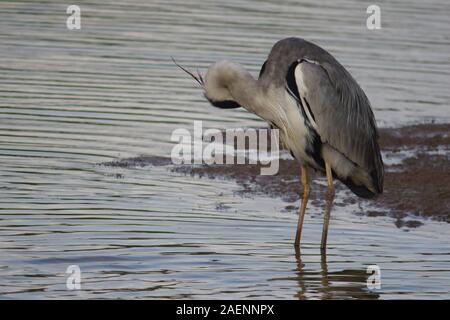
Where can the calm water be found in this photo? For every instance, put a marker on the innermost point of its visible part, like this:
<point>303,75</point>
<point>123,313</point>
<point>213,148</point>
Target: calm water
<point>71,100</point>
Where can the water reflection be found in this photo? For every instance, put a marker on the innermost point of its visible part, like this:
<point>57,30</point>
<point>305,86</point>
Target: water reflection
<point>300,275</point>
<point>335,285</point>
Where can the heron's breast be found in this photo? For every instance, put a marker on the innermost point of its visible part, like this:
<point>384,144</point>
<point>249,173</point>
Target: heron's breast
<point>296,135</point>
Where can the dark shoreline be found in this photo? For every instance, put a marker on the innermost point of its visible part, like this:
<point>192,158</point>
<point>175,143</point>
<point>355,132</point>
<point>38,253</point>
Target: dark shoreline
<point>417,183</point>
<point>420,184</point>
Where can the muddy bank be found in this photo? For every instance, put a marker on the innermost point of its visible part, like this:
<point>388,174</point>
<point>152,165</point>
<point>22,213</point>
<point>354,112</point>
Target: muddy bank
<point>417,179</point>
<point>420,184</point>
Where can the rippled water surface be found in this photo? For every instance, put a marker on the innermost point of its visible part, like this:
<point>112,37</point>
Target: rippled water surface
<point>72,100</point>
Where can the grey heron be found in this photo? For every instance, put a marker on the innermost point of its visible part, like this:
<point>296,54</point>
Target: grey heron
<point>324,117</point>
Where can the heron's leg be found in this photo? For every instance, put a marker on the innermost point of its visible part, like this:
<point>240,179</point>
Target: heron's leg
<point>329,203</point>
<point>301,215</point>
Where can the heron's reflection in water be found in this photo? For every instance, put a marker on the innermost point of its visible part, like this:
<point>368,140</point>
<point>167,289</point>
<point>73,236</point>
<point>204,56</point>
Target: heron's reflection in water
<point>322,284</point>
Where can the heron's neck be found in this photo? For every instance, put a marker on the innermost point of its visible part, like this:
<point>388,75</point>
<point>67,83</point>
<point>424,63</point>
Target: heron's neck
<point>246,91</point>
<point>250,94</point>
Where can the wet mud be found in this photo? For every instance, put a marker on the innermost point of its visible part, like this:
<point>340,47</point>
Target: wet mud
<point>417,176</point>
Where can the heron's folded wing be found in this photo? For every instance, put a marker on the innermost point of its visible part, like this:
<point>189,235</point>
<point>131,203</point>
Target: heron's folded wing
<point>341,112</point>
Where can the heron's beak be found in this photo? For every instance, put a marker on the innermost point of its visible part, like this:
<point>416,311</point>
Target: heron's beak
<point>197,78</point>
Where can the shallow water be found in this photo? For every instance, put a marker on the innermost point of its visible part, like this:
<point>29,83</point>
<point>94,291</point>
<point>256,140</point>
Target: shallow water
<point>72,100</point>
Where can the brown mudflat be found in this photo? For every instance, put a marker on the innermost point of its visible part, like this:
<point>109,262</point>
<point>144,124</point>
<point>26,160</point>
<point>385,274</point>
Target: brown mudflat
<point>418,185</point>
<point>417,182</point>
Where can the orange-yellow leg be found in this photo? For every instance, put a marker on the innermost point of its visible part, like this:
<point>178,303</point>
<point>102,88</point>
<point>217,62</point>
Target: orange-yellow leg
<point>329,204</point>
<point>301,215</point>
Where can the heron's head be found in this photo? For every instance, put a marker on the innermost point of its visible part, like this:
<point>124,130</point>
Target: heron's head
<point>217,83</point>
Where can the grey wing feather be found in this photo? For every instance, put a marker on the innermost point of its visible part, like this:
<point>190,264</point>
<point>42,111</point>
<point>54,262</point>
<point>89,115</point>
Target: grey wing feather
<point>342,114</point>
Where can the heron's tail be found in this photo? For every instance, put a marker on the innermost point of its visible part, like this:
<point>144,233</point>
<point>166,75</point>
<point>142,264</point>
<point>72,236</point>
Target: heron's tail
<point>360,190</point>
<point>365,183</point>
